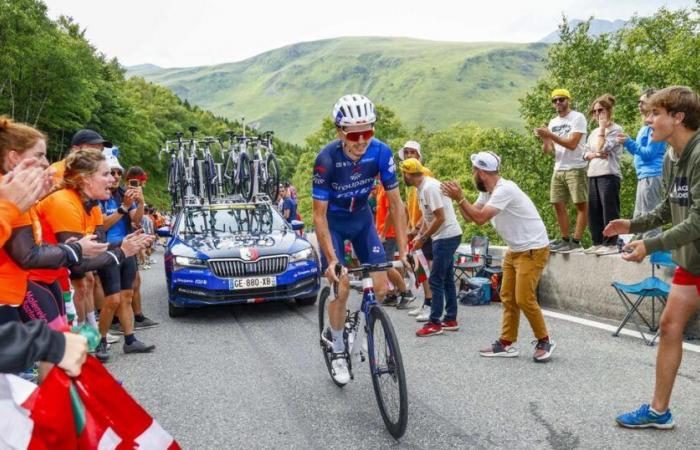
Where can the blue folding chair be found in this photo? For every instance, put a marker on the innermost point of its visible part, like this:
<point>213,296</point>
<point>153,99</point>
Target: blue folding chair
<point>650,288</point>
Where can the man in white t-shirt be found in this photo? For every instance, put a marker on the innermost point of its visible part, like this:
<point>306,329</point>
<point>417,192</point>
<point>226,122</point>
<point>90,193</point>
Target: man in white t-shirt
<point>441,226</point>
<point>519,224</point>
<point>566,137</point>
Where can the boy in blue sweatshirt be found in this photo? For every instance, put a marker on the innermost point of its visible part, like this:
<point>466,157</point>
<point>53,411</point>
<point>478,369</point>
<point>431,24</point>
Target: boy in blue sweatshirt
<point>648,163</point>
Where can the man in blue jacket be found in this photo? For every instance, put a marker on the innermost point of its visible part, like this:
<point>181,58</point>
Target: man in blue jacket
<point>648,163</point>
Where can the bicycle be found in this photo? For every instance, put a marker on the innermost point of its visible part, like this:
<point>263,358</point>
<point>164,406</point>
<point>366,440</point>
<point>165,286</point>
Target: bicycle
<point>385,362</point>
<point>269,176</point>
<point>236,177</point>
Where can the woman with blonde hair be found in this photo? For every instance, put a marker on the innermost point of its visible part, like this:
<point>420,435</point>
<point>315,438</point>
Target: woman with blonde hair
<point>604,175</point>
<point>88,179</point>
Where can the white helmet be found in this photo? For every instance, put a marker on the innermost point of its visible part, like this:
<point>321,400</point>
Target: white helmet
<point>354,109</point>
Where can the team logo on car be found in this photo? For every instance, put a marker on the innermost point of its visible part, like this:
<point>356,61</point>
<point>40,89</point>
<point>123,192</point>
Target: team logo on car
<point>249,254</point>
<point>375,249</point>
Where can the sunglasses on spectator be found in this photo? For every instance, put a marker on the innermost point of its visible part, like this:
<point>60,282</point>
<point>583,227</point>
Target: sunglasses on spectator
<point>116,172</point>
<point>559,100</point>
<point>354,136</point>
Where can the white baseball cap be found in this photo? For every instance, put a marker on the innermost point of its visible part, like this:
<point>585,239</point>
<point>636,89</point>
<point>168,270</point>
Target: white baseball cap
<point>111,157</point>
<point>413,145</point>
<point>488,161</point>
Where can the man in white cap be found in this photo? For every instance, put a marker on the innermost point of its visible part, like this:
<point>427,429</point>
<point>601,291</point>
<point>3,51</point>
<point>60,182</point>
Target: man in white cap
<point>411,149</point>
<point>519,224</point>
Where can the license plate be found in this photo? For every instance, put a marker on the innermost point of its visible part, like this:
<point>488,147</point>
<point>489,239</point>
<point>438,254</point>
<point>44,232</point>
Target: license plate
<point>251,283</point>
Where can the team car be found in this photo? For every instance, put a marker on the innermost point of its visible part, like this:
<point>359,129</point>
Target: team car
<point>237,253</point>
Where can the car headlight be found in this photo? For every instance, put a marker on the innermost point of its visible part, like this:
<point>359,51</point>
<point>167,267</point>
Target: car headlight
<point>186,261</point>
<point>307,253</point>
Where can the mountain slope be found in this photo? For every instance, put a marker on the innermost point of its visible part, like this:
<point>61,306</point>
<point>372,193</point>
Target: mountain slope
<point>435,84</point>
<point>597,27</point>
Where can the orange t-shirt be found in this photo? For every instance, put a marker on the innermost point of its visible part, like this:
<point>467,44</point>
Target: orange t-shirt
<point>383,213</point>
<point>60,168</point>
<point>8,213</point>
<point>13,278</point>
<point>63,211</point>
<point>47,276</point>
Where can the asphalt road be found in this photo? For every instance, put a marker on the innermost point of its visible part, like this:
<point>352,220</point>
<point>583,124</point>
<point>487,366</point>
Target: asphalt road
<point>252,376</point>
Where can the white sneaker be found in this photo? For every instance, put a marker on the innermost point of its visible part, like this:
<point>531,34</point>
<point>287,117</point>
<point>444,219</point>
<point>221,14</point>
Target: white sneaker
<point>424,316</point>
<point>417,310</point>
<point>339,365</point>
<point>592,249</point>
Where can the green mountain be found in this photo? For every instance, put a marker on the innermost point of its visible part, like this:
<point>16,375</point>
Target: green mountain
<point>434,84</point>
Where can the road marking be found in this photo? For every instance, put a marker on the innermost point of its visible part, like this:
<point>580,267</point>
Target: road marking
<point>608,327</point>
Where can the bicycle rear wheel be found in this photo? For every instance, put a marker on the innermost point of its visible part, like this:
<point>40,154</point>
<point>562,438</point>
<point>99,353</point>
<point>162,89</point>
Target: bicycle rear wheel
<point>388,375</point>
<point>245,176</point>
<point>323,323</point>
<point>231,175</point>
<point>209,184</point>
<point>173,183</point>
<point>272,187</point>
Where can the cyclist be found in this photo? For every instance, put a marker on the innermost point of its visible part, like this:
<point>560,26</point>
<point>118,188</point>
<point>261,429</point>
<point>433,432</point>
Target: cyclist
<point>343,177</point>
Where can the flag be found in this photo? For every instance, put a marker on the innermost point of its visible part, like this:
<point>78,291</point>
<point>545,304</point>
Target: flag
<point>422,269</point>
<point>89,412</point>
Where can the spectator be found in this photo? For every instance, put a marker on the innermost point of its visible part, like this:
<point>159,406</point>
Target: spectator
<point>674,116</point>
<point>566,137</point>
<point>24,344</point>
<point>604,175</point>
<point>87,178</point>
<point>387,235</point>
<point>84,286</point>
<point>519,224</point>
<point>289,205</point>
<point>412,149</point>
<point>648,163</point>
<point>440,224</point>
<point>138,177</point>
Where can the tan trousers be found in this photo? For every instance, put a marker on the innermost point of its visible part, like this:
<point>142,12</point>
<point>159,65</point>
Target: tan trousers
<point>521,274</point>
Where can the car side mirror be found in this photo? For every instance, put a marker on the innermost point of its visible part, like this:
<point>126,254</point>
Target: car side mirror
<point>163,232</point>
<point>297,225</point>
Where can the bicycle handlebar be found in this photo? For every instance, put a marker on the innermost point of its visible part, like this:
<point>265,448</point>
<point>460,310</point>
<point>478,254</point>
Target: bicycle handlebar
<point>375,267</point>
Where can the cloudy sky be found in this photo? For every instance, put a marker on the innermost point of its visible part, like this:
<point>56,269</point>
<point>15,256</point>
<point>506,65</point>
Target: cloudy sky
<point>178,33</point>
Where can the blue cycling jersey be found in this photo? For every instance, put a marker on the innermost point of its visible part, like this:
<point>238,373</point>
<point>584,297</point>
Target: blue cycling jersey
<point>346,184</point>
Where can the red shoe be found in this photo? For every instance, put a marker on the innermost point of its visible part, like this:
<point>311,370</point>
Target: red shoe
<point>450,325</point>
<point>429,329</point>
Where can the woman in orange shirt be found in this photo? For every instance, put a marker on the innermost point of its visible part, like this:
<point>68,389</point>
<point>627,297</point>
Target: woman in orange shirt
<point>72,212</point>
<point>39,299</point>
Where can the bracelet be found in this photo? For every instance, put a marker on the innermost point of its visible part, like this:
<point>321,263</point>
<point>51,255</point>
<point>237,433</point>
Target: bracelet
<point>121,210</point>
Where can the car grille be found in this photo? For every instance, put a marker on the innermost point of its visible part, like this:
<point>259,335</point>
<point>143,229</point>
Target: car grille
<point>230,268</point>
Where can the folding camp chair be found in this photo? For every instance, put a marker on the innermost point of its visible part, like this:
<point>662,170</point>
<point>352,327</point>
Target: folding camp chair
<point>650,288</point>
<point>471,264</point>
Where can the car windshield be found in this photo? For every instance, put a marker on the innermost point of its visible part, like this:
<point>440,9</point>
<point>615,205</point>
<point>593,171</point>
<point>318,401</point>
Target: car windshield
<point>232,219</point>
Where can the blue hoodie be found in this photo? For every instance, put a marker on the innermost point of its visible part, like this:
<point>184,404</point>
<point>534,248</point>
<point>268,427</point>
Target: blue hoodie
<point>648,155</point>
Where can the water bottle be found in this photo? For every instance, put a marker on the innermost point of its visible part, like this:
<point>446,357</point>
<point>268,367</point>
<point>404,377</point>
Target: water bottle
<point>92,335</point>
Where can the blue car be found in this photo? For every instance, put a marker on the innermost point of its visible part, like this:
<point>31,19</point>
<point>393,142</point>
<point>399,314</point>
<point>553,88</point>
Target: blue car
<point>233,253</point>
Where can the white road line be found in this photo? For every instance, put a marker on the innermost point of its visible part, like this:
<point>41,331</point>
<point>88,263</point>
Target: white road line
<point>608,327</point>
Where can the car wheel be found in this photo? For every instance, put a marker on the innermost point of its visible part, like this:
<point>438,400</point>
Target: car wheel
<point>174,311</point>
<point>306,301</point>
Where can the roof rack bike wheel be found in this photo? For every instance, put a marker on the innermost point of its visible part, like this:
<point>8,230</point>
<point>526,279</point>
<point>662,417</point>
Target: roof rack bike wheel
<point>272,184</point>
<point>245,176</point>
<point>231,180</point>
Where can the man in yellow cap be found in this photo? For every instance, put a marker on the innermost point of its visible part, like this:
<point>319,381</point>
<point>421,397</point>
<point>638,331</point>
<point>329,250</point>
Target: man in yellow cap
<point>439,224</point>
<point>565,136</point>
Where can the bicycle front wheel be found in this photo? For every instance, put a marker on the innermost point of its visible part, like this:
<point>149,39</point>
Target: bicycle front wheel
<point>388,375</point>
<point>272,184</point>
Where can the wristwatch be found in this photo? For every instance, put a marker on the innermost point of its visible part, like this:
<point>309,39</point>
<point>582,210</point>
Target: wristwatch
<point>121,210</point>
<point>424,239</point>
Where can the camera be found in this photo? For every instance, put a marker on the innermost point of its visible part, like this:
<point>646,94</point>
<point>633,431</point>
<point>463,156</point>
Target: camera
<point>134,183</point>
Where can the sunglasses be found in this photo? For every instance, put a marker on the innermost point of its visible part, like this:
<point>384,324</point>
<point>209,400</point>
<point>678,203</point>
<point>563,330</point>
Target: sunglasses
<point>354,136</point>
<point>559,100</point>
<point>598,111</point>
<point>116,172</point>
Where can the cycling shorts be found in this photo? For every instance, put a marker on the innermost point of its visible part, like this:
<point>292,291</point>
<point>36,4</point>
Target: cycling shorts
<point>116,278</point>
<point>358,228</point>
<point>41,302</point>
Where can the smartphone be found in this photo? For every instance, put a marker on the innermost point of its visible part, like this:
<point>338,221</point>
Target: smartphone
<point>134,183</point>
